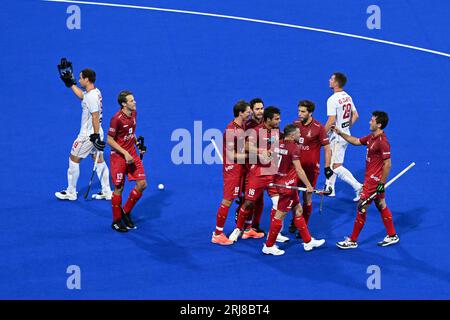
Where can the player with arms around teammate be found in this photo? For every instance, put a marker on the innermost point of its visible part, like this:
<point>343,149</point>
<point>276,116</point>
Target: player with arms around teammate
<point>289,172</point>
<point>125,161</point>
<point>89,140</point>
<point>342,113</point>
<point>233,167</point>
<point>312,137</point>
<point>378,166</point>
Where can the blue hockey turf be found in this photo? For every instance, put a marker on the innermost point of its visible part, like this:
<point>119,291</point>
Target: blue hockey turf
<point>184,68</point>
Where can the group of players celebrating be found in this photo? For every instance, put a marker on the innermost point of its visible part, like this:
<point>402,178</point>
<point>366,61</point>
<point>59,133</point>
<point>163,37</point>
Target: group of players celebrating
<point>257,156</point>
<point>124,159</point>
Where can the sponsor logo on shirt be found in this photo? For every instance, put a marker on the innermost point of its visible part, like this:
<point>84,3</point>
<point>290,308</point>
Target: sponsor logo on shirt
<point>280,151</point>
<point>228,168</point>
<point>375,178</point>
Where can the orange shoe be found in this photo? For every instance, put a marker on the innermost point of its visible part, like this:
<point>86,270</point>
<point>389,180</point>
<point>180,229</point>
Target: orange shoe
<point>252,233</point>
<point>221,239</point>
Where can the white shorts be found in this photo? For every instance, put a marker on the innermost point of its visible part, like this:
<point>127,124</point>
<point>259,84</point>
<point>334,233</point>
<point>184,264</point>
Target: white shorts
<point>338,148</point>
<point>82,147</point>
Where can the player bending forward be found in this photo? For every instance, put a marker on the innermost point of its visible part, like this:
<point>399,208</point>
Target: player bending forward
<point>125,161</point>
<point>89,140</point>
<point>289,172</point>
<point>378,165</point>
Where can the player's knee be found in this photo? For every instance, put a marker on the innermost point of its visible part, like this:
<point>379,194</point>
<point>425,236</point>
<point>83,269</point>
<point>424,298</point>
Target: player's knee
<point>118,189</point>
<point>336,165</point>
<point>226,203</point>
<point>280,215</point>
<point>248,205</point>
<point>380,204</point>
<point>141,185</point>
<point>75,159</point>
<point>298,211</point>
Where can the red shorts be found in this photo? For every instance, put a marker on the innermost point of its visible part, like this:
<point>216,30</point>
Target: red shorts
<point>288,199</point>
<point>232,187</point>
<point>120,168</point>
<point>312,173</point>
<point>370,188</point>
<point>255,186</point>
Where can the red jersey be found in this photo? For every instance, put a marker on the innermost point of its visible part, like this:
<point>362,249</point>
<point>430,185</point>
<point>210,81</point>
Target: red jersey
<point>288,151</point>
<point>122,129</point>
<point>252,123</point>
<point>312,137</point>
<point>378,150</point>
<point>233,141</point>
<point>264,139</point>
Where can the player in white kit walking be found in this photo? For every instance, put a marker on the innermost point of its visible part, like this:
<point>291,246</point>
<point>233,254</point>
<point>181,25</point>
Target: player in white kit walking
<point>341,112</point>
<point>90,138</point>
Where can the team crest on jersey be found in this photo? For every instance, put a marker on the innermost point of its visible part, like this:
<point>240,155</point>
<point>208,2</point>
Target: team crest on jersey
<point>309,134</point>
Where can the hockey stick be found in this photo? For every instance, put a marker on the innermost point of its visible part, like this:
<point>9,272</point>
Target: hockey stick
<point>321,202</point>
<point>362,204</point>
<point>217,149</point>
<point>92,175</point>
<point>298,188</point>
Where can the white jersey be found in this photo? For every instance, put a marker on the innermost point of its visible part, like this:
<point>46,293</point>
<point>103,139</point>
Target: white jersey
<point>341,105</point>
<point>92,102</point>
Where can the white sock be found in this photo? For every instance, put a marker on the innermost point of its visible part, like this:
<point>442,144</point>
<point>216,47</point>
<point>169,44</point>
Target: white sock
<point>347,176</point>
<point>103,176</point>
<point>330,182</point>
<point>72,176</point>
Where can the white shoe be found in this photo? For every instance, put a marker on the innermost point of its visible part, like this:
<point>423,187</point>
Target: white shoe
<point>274,250</point>
<point>358,194</point>
<point>102,195</point>
<point>347,244</point>
<point>235,235</point>
<point>387,241</point>
<point>281,238</point>
<point>313,244</point>
<point>64,195</point>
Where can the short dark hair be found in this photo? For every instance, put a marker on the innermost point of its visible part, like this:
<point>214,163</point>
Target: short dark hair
<point>289,129</point>
<point>255,101</point>
<point>90,74</point>
<point>340,78</point>
<point>381,117</point>
<point>269,112</point>
<point>123,97</point>
<point>239,107</point>
<point>309,105</point>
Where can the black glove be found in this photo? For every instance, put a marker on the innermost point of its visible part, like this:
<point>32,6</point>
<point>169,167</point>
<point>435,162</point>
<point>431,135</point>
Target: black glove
<point>328,172</point>
<point>98,143</point>
<point>140,145</point>
<point>380,188</point>
<point>66,72</point>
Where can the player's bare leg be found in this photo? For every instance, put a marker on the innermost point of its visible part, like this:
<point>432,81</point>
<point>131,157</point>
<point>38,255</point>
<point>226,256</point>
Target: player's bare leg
<point>345,175</point>
<point>244,213</point>
<point>309,243</point>
<point>116,204</point>
<point>73,172</point>
<point>103,176</point>
<point>218,237</point>
<point>391,237</point>
<point>133,198</point>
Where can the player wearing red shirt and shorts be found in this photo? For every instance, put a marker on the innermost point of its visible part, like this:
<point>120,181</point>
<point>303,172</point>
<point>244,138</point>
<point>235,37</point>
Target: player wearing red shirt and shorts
<point>261,142</point>
<point>234,157</point>
<point>289,172</point>
<point>378,166</point>
<point>125,161</point>
<point>312,137</point>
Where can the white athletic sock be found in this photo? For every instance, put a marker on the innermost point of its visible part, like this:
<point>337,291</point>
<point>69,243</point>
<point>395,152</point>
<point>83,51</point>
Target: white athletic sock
<point>103,176</point>
<point>347,176</point>
<point>72,176</point>
<point>330,182</point>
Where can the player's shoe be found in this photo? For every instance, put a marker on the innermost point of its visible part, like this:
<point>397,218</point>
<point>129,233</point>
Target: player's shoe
<point>235,235</point>
<point>387,241</point>
<point>126,218</point>
<point>252,233</point>
<point>332,193</point>
<point>102,195</point>
<point>221,239</point>
<point>358,194</point>
<point>313,244</point>
<point>347,244</point>
<point>274,250</point>
<point>64,195</point>
<point>258,229</point>
<point>281,238</point>
<point>119,226</point>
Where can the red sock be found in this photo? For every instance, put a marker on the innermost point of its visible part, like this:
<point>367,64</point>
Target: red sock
<point>257,212</point>
<point>275,228</point>
<point>307,209</point>
<point>243,214</point>
<point>222,214</point>
<point>359,224</point>
<point>386,215</point>
<point>272,214</point>
<point>116,203</point>
<point>302,228</point>
<point>132,199</point>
